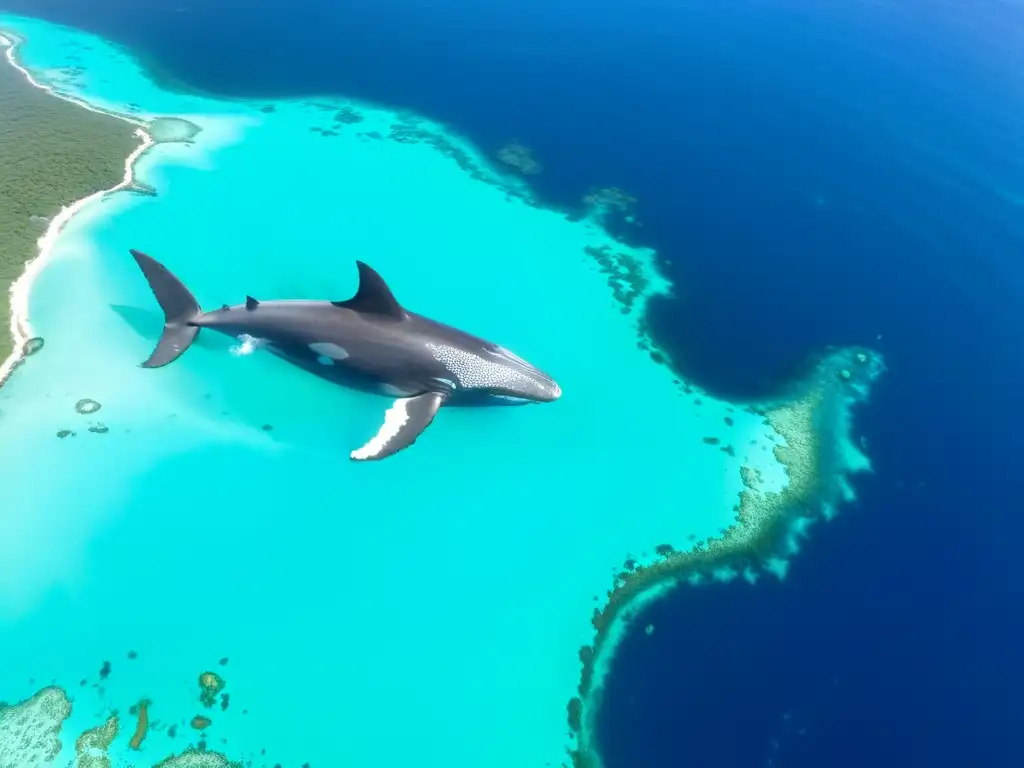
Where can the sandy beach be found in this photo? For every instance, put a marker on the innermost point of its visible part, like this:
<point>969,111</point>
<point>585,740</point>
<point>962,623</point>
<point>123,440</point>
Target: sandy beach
<point>20,323</point>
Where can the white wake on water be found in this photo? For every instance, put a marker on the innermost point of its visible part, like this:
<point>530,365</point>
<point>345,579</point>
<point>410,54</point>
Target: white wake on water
<point>246,345</point>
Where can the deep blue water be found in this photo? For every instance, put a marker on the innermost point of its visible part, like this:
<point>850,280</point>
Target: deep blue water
<point>861,166</point>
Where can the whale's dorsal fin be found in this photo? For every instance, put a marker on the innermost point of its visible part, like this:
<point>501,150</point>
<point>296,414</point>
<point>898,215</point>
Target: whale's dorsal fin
<point>403,423</point>
<point>251,303</point>
<point>373,296</point>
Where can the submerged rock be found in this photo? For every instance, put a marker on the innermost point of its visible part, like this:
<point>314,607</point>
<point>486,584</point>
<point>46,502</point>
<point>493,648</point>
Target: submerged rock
<point>85,406</point>
<point>348,116</point>
<point>33,345</point>
<point>210,684</point>
<point>520,157</point>
<point>141,725</point>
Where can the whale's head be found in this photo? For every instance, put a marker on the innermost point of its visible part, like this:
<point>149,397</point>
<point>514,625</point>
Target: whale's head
<point>539,389</point>
<point>496,373</point>
<point>521,381</point>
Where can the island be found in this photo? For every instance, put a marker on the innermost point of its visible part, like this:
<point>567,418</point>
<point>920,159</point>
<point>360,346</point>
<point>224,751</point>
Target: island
<point>55,154</point>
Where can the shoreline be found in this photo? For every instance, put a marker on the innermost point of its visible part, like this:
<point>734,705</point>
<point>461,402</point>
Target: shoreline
<point>20,327</point>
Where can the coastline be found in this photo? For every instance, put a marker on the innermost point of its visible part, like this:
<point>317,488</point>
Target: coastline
<point>20,327</point>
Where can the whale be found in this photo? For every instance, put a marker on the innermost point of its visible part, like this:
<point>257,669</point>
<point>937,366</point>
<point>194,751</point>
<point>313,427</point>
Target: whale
<point>369,342</point>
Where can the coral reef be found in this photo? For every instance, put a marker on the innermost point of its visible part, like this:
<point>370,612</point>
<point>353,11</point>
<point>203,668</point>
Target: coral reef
<point>170,130</point>
<point>519,156</point>
<point>750,477</point>
<point>625,274</point>
<point>609,199</point>
<point>411,131</point>
<point>210,684</point>
<point>91,747</point>
<point>817,457</point>
<point>85,406</point>
<point>30,731</point>
<point>348,116</point>
<point>194,758</point>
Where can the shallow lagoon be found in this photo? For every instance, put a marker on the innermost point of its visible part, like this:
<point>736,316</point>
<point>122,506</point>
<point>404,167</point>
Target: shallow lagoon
<point>430,608</point>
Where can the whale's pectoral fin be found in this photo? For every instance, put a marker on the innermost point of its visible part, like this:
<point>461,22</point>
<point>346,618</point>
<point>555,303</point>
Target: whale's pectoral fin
<point>403,423</point>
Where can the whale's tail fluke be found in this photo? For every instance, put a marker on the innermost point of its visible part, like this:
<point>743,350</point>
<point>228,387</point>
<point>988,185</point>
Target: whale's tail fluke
<point>180,307</point>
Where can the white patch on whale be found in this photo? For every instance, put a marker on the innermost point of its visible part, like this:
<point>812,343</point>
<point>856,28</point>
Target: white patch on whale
<point>394,419</point>
<point>246,345</point>
<point>327,349</point>
<point>325,360</point>
<point>475,372</point>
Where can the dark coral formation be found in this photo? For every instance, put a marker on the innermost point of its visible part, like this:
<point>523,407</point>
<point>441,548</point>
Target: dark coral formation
<point>610,198</point>
<point>411,131</point>
<point>34,345</point>
<point>142,188</point>
<point>210,684</point>
<point>625,274</point>
<point>348,116</point>
<point>141,724</point>
<point>519,156</point>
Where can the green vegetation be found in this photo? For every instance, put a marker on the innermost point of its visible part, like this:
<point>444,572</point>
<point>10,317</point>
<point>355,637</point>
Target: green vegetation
<point>52,153</point>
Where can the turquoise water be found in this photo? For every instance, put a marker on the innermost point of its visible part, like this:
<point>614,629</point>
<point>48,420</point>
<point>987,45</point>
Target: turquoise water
<point>427,609</point>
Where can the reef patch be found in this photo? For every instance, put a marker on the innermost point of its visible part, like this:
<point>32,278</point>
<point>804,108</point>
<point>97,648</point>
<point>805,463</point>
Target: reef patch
<point>172,130</point>
<point>91,747</point>
<point>30,731</point>
<point>85,406</point>
<point>519,156</point>
<point>817,455</point>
